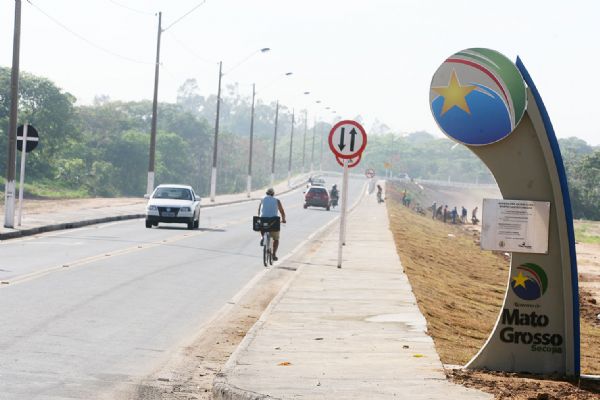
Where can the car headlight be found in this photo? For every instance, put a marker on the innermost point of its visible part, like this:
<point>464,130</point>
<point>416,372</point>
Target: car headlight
<point>185,209</point>
<point>152,208</point>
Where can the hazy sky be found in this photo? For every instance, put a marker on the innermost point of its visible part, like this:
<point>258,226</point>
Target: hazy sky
<point>373,57</point>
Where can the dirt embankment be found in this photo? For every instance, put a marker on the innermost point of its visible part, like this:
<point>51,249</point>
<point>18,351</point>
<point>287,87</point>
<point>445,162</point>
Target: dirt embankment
<point>460,288</point>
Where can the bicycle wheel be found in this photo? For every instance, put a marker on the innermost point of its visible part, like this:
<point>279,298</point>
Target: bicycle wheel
<point>265,250</point>
<point>270,253</point>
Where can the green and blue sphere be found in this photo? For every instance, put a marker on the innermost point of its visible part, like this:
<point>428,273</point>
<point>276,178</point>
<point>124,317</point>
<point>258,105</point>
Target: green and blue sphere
<point>477,96</point>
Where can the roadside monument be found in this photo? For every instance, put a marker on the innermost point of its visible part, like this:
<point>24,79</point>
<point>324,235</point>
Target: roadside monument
<point>483,100</point>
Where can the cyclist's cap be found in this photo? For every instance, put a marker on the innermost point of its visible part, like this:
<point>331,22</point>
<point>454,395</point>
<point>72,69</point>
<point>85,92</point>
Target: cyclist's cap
<point>270,191</point>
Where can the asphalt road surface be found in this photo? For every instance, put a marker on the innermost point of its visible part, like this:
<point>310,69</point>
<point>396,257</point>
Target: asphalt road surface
<point>92,308</point>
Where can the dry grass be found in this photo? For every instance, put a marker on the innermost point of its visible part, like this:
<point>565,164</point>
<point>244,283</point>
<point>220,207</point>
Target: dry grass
<point>452,279</point>
<point>460,288</point>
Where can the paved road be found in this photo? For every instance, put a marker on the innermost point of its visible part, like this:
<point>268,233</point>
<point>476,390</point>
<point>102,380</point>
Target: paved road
<point>91,308</point>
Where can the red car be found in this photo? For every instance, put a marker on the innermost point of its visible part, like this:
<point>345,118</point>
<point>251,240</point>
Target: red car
<point>316,196</point>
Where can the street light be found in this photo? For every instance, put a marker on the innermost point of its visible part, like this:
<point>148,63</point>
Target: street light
<point>304,139</point>
<point>274,145</point>
<point>312,153</point>
<point>291,147</point>
<point>150,182</point>
<point>213,176</point>
<point>9,190</point>
<point>251,145</point>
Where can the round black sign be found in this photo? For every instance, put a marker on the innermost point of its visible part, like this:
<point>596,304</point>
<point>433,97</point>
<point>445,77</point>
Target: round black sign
<point>32,138</point>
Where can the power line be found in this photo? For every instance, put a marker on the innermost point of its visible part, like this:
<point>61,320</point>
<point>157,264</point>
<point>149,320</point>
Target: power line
<point>80,37</point>
<point>186,14</point>
<point>190,51</point>
<point>135,10</point>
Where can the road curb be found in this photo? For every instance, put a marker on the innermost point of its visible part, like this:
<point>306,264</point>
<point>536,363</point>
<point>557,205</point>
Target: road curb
<point>85,222</point>
<point>221,388</point>
<point>66,225</point>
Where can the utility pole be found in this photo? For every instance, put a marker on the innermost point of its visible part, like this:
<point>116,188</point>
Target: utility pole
<point>9,198</point>
<point>274,145</point>
<point>291,147</point>
<point>321,155</point>
<point>312,152</point>
<point>150,185</point>
<point>213,176</point>
<point>304,140</point>
<point>249,188</point>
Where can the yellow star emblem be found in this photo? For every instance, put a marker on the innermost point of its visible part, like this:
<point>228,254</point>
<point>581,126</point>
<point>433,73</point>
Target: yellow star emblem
<point>520,280</point>
<point>454,94</point>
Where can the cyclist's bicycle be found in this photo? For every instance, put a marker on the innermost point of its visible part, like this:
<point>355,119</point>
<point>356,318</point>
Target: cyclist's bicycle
<point>266,225</point>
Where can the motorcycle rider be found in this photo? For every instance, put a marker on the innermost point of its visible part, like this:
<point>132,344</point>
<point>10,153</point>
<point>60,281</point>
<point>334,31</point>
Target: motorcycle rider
<point>334,195</point>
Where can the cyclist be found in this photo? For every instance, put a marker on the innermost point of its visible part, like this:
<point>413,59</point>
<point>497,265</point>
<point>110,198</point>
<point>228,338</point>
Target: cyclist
<point>270,206</point>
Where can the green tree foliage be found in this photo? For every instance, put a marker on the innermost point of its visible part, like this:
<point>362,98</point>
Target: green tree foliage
<point>102,148</point>
<point>421,155</point>
<point>582,163</point>
<point>45,106</point>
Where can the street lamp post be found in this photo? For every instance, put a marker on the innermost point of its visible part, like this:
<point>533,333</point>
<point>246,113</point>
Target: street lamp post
<point>291,148</point>
<point>213,175</point>
<point>150,183</point>
<point>249,186</point>
<point>9,190</point>
<point>274,145</point>
<point>304,140</point>
<point>312,151</point>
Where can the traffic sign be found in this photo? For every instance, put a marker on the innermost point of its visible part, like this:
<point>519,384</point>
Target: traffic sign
<point>352,162</point>
<point>32,138</point>
<point>347,139</point>
<point>370,173</point>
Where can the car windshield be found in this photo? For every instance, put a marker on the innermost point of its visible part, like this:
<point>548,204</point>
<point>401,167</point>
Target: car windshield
<point>173,193</point>
<point>317,190</point>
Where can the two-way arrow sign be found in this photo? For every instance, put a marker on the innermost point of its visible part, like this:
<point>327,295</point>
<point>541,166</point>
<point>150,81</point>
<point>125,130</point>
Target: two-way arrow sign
<point>338,142</point>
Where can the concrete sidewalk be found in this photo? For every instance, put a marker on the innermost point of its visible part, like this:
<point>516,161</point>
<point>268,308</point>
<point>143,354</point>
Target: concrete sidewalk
<point>61,215</point>
<point>349,333</point>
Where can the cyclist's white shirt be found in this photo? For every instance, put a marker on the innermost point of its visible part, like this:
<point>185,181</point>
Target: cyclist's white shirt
<point>269,207</point>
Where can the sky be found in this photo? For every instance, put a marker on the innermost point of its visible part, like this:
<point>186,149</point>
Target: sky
<point>370,58</point>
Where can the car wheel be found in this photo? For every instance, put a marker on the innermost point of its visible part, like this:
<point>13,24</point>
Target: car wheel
<point>327,208</point>
<point>306,206</point>
<point>148,224</point>
<point>191,225</point>
<point>197,223</point>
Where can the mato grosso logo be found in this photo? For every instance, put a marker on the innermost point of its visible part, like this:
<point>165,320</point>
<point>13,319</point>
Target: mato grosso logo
<point>477,96</point>
<point>530,283</point>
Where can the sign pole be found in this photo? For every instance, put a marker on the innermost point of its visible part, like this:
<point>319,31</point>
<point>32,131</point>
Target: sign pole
<point>345,198</point>
<point>343,216</point>
<point>22,175</point>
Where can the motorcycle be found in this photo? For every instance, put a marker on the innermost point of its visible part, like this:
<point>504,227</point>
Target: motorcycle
<point>333,202</point>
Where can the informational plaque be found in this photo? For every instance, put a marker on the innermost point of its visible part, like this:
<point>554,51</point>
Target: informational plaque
<point>515,225</point>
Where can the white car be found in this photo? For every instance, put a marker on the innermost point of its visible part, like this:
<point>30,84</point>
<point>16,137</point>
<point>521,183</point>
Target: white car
<point>173,204</point>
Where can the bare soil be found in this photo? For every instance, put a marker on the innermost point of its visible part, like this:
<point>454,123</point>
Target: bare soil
<point>189,374</point>
<point>451,277</point>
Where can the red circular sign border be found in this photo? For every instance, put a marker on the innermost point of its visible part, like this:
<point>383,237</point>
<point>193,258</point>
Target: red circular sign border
<point>360,128</point>
<point>349,166</point>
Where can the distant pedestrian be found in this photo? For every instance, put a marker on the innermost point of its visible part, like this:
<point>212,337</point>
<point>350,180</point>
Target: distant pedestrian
<point>445,213</point>
<point>438,213</point>
<point>433,210</point>
<point>474,219</point>
<point>454,214</point>
<point>463,215</point>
